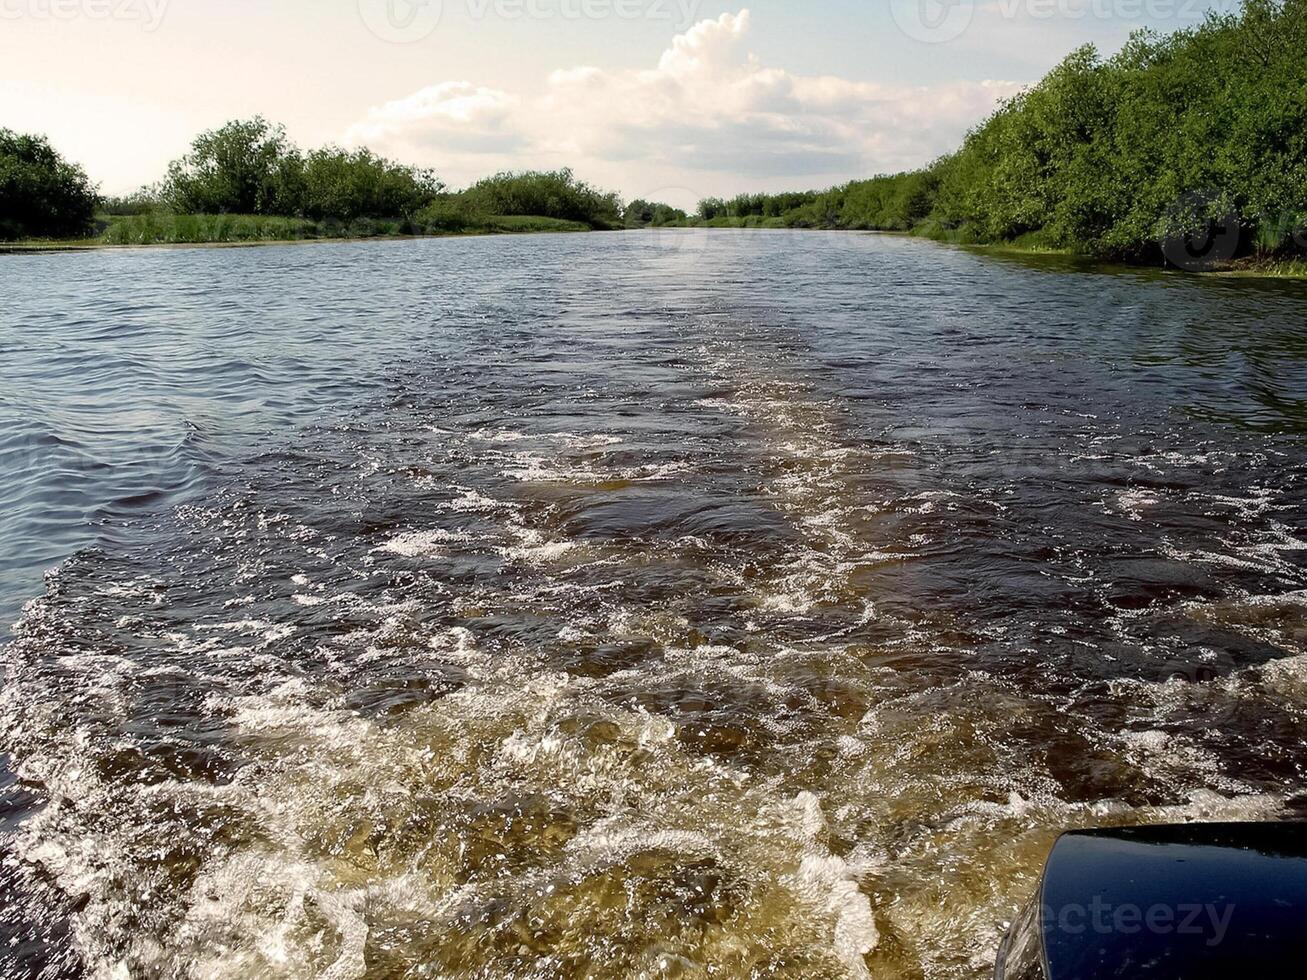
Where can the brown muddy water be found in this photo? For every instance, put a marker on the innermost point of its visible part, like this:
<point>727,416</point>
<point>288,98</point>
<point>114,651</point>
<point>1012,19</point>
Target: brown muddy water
<point>693,604</point>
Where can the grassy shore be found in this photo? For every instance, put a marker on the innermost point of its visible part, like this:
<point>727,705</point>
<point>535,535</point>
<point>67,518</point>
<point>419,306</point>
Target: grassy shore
<point>243,229</point>
<point>1030,244</point>
<point>1249,267</point>
<point>1252,267</point>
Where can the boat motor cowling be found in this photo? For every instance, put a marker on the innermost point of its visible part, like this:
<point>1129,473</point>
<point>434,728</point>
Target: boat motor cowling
<point>1191,902</point>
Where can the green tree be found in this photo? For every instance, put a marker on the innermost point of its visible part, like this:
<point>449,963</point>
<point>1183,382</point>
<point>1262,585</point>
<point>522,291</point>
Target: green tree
<point>344,185</point>
<point>711,207</point>
<point>243,167</point>
<point>548,194</point>
<point>644,214</point>
<point>42,195</point>
<point>638,214</point>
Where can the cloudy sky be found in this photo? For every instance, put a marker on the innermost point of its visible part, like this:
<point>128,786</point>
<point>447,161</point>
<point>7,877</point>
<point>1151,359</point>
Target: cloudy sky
<point>673,99</point>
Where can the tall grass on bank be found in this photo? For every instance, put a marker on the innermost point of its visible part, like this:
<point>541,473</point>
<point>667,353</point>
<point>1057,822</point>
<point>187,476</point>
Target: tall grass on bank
<point>508,224</point>
<point>203,229</point>
<point>191,229</point>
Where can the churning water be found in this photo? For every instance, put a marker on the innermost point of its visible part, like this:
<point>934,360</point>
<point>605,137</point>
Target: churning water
<point>651,605</point>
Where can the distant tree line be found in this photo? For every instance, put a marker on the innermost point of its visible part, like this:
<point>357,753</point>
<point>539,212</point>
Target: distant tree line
<point>1186,137</point>
<point>754,205</point>
<point>248,168</point>
<point>651,214</point>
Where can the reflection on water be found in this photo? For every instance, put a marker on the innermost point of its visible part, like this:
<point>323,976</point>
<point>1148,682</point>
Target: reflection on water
<point>682,604</point>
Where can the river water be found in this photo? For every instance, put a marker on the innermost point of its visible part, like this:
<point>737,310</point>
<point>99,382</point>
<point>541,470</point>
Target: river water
<point>677,604</point>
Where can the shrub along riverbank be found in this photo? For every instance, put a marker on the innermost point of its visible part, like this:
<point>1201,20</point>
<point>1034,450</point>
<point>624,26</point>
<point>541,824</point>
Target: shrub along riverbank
<point>245,182</point>
<point>1189,148</point>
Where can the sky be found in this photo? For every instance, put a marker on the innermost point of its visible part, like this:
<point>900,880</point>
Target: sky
<point>671,100</point>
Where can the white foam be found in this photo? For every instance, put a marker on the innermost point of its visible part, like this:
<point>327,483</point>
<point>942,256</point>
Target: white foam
<point>419,544</point>
<point>499,435</point>
<point>470,501</point>
<point>270,632</point>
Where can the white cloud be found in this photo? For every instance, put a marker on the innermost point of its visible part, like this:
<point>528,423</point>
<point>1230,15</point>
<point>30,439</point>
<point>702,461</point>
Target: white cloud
<point>709,119</point>
<point>451,117</point>
<point>706,46</point>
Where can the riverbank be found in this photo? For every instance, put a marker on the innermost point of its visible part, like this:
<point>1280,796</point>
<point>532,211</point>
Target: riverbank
<point>1097,158</point>
<point>131,231</point>
<point>1249,267</point>
<point>1253,266</point>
